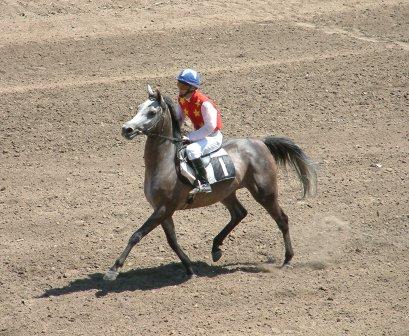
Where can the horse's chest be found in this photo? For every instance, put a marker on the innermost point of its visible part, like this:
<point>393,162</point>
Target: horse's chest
<point>150,188</point>
<point>155,186</point>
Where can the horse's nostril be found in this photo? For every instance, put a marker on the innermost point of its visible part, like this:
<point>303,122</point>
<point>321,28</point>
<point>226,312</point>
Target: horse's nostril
<point>128,130</point>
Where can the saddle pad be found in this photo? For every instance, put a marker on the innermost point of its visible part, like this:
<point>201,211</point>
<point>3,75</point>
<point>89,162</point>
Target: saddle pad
<point>220,168</point>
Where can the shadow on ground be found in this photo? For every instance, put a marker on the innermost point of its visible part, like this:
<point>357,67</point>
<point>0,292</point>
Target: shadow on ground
<point>146,279</point>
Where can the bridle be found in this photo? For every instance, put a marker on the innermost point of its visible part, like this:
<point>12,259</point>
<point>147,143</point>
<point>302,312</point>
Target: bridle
<point>153,135</point>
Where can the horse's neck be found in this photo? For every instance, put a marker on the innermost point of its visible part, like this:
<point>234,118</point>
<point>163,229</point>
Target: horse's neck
<point>159,151</point>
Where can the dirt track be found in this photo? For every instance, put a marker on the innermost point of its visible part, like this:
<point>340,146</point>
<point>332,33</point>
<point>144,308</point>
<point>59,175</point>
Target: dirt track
<point>332,77</point>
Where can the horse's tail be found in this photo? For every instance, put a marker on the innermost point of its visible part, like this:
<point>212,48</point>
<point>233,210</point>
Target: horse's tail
<point>285,151</point>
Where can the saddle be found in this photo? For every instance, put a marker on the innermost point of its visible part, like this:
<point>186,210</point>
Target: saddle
<point>218,164</point>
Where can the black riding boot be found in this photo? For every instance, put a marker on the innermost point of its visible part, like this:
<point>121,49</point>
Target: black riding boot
<point>203,184</point>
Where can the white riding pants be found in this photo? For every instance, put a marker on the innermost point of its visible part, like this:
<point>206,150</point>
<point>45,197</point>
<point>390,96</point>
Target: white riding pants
<point>204,146</point>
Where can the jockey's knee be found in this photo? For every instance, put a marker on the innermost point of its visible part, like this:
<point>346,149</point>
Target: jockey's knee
<point>193,151</point>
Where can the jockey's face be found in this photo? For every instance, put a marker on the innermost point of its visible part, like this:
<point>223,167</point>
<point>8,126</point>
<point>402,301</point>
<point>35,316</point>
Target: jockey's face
<point>184,89</point>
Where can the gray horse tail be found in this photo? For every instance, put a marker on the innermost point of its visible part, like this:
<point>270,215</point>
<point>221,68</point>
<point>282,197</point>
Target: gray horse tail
<point>285,151</point>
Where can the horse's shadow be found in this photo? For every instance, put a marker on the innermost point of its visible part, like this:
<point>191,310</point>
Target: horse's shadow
<point>145,279</point>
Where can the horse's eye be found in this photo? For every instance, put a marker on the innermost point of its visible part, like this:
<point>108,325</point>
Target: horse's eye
<point>151,114</point>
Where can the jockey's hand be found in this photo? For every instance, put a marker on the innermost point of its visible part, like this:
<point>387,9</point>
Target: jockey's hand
<point>186,140</point>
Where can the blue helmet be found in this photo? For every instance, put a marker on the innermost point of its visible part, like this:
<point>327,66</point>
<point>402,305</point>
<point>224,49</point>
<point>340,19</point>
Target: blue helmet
<point>190,77</point>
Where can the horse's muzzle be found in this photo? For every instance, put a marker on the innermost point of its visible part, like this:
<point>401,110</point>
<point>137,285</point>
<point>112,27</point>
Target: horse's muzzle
<point>130,133</point>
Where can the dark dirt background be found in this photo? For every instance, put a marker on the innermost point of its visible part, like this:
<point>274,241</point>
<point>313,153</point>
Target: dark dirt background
<point>333,77</point>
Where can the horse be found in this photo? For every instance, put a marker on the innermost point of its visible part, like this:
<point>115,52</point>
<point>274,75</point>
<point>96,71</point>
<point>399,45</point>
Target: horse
<point>255,163</point>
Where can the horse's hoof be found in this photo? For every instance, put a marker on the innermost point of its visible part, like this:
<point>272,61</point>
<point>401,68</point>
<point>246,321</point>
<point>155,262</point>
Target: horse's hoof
<point>111,275</point>
<point>216,254</point>
<point>191,275</point>
<point>189,272</point>
<point>287,265</point>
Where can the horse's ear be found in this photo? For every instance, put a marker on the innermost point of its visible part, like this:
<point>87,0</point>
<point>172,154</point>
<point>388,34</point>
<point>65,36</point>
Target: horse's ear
<point>151,94</point>
<point>160,99</point>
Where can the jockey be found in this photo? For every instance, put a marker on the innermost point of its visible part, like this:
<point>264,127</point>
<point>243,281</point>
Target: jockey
<point>206,120</point>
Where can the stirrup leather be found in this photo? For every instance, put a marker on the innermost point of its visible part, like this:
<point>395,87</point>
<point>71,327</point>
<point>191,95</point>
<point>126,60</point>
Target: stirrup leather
<point>202,184</point>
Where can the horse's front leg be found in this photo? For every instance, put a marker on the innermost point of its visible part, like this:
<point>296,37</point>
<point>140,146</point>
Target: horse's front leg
<point>153,221</point>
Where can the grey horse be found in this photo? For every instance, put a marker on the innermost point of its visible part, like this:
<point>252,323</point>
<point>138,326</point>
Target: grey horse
<point>255,162</point>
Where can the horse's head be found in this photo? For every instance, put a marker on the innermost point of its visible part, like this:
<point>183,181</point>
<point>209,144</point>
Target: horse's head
<point>149,115</point>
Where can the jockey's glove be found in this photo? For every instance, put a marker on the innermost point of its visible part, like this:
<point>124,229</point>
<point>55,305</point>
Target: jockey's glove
<point>186,140</point>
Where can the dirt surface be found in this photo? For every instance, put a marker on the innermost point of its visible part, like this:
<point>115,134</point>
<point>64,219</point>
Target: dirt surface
<point>331,75</point>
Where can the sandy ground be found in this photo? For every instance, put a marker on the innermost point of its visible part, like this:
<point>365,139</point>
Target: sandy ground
<point>331,75</point>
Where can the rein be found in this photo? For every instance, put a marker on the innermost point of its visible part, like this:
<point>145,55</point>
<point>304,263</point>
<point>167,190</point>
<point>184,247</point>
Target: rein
<point>174,140</point>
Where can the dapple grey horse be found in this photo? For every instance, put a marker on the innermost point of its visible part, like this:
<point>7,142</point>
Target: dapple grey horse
<point>255,162</point>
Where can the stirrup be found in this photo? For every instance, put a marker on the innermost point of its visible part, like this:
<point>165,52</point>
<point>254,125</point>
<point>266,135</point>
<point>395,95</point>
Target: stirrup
<point>202,187</point>
<point>205,187</point>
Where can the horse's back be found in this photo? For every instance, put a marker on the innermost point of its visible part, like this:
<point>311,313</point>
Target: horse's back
<point>250,155</point>
<point>245,149</point>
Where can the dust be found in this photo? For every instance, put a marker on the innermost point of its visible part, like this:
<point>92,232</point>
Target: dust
<point>325,242</point>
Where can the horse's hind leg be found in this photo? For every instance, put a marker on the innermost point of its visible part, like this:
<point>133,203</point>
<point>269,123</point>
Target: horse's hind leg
<point>268,199</point>
<point>282,221</point>
<point>169,228</point>
<point>237,213</point>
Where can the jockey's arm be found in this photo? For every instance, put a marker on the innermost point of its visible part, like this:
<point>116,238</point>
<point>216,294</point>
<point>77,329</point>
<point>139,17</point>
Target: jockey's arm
<point>209,114</point>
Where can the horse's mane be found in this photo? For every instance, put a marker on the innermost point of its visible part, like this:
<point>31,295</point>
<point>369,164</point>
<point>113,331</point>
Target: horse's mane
<point>177,133</point>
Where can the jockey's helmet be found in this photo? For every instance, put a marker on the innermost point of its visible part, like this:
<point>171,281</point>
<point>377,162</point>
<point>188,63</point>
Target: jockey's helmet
<point>189,76</point>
